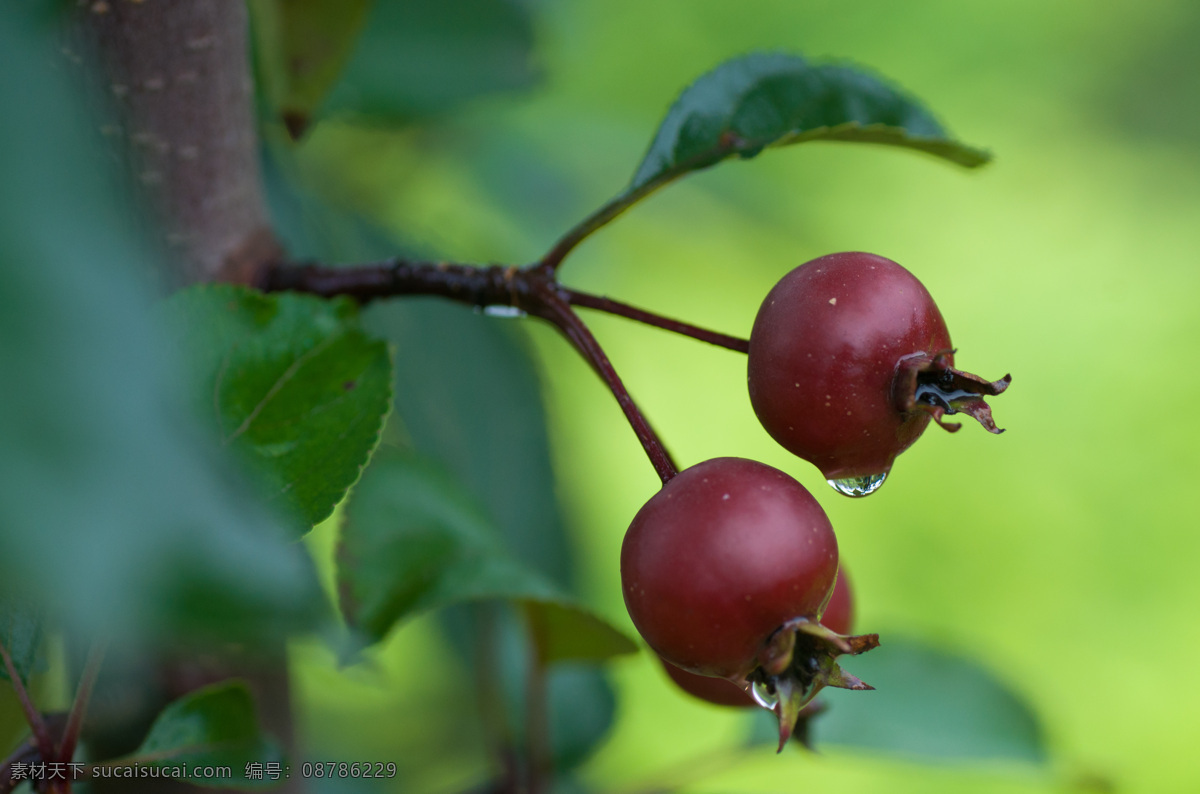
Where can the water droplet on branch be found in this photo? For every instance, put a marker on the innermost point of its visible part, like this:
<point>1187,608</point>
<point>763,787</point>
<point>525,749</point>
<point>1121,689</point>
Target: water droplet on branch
<point>503,311</point>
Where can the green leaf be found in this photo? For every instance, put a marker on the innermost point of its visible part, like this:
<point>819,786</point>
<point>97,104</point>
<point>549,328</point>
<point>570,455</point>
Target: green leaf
<point>479,412</point>
<point>215,726</point>
<point>419,57</point>
<point>761,100</point>
<point>563,632</point>
<point>414,540</point>
<point>749,103</point>
<point>21,635</point>
<point>115,512</point>
<point>291,382</point>
<point>301,48</point>
<point>582,708</point>
<point>929,705</point>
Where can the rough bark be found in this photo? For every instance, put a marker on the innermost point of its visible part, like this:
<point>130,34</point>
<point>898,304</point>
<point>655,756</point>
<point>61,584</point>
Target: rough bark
<point>178,73</point>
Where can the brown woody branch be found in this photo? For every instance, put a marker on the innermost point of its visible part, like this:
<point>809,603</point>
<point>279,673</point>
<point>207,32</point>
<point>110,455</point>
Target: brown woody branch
<point>178,76</point>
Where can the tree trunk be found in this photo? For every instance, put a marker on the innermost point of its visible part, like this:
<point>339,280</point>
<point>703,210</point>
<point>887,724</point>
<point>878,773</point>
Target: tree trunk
<point>176,94</point>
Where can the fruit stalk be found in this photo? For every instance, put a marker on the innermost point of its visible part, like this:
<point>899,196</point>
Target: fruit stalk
<point>554,309</point>
<point>658,321</point>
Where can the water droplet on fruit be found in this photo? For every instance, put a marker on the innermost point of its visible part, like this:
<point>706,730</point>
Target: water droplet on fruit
<point>859,486</point>
<point>764,695</point>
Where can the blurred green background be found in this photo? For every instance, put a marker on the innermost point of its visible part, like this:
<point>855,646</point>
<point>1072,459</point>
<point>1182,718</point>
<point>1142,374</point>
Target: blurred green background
<point>1060,554</point>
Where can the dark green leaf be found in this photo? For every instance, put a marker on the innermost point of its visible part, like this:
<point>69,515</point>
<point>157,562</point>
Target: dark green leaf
<point>215,726</point>
<point>929,704</point>
<point>114,511</point>
<point>413,541</point>
<point>761,100</point>
<point>21,635</point>
<point>757,101</point>
<point>418,57</point>
<point>301,48</point>
<point>290,381</point>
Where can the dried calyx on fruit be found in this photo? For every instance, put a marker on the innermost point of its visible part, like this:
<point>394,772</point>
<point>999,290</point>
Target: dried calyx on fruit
<point>849,359</point>
<point>838,617</point>
<point>800,660</point>
<point>726,572</point>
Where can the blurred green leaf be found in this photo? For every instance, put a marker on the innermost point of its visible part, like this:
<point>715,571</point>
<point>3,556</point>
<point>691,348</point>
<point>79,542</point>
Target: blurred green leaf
<point>928,704</point>
<point>580,698</point>
<point>563,632</point>
<point>301,48</point>
<point>21,635</point>
<point>582,708</point>
<point>290,381</point>
<point>479,412</point>
<point>213,726</point>
<point>414,540</point>
<point>418,57</point>
<point>116,513</point>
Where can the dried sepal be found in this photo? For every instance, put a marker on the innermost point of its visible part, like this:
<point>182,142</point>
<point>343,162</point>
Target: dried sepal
<point>929,383</point>
<point>797,662</point>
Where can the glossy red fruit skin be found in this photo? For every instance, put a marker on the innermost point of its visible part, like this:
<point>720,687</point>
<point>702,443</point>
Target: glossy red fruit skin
<point>721,557</point>
<point>839,612</point>
<point>823,355</point>
<point>718,691</point>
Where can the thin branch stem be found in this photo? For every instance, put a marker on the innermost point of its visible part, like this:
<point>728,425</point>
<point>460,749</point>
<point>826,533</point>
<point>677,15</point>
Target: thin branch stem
<point>537,714</point>
<point>477,286</point>
<point>534,290</point>
<point>728,143</point>
<point>555,309</point>
<point>26,753</point>
<point>489,694</point>
<point>582,230</point>
<point>83,695</point>
<point>658,321</point>
<point>45,743</point>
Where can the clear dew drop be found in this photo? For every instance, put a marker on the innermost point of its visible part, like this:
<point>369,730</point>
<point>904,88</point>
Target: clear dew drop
<point>859,486</point>
<point>764,695</point>
<point>503,311</point>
